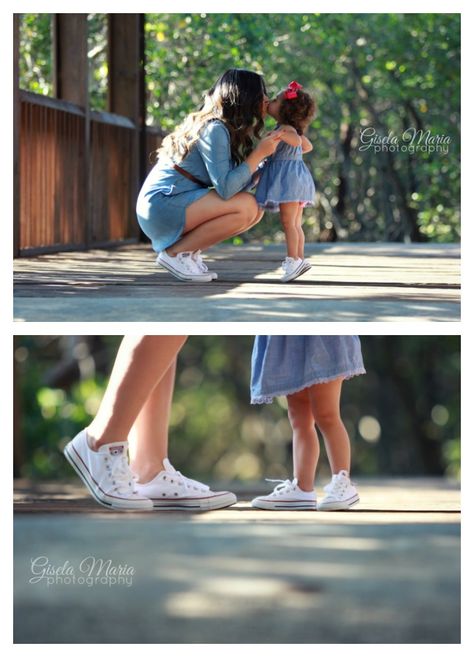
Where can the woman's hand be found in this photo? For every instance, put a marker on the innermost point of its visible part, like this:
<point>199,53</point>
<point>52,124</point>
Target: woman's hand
<point>267,145</point>
<point>264,148</point>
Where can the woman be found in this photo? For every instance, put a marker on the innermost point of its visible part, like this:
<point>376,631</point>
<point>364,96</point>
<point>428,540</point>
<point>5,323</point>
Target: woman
<point>213,147</point>
<point>136,405</point>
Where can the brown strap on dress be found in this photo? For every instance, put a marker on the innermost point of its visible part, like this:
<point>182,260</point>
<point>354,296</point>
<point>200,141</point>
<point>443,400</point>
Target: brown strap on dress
<point>189,176</point>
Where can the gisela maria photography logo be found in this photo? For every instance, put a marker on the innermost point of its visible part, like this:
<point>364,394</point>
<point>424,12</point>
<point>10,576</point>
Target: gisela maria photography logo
<point>412,140</point>
<point>91,571</point>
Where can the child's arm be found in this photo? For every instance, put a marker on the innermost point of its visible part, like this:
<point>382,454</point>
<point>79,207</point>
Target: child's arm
<point>289,135</point>
<point>306,144</point>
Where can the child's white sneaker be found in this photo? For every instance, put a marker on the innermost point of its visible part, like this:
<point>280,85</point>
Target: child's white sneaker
<point>172,490</point>
<point>203,268</point>
<point>183,267</point>
<point>341,493</point>
<point>287,495</point>
<point>293,267</point>
<point>106,473</point>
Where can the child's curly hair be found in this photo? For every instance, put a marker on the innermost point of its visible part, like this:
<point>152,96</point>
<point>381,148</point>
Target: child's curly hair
<point>298,111</point>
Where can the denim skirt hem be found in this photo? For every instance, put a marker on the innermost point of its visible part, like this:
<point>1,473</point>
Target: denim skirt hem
<point>268,399</point>
<point>162,217</point>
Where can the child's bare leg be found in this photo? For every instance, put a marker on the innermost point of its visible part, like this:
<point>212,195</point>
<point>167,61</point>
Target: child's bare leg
<point>305,439</point>
<point>299,228</point>
<point>288,217</point>
<point>148,437</point>
<point>325,399</point>
<point>141,363</point>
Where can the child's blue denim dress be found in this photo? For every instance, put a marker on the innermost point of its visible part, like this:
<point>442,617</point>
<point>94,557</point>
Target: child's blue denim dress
<point>285,178</point>
<point>285,364</point>
<point>166,193</point>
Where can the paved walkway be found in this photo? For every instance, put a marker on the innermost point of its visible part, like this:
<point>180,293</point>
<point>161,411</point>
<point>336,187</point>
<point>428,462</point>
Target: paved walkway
<point>386,572</point>
<point>348,282</point>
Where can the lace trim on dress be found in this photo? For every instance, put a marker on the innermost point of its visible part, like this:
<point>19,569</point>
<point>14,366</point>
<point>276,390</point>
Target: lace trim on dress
<point>268,399</point>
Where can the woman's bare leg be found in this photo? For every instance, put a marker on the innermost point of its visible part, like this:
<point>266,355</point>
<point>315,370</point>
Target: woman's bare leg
<point>141,363</point>
<point>325,400</point>
<point>288,218</point>
<point>148,438</point>
<point>211,220</point>
<point>305,439</point>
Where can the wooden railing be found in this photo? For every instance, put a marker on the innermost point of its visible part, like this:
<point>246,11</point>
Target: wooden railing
<point>78,176</point>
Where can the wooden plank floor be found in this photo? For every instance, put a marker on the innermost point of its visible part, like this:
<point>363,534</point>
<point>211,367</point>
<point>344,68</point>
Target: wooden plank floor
<point>379,497</point>
<point>348,282</point>
<point>388,572</point>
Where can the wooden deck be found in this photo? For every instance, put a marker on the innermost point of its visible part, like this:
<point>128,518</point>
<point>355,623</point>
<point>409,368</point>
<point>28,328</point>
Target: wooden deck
<point>348,282</point>
<point>387,571</point>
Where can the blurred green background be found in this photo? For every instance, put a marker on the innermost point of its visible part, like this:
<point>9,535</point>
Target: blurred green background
<point>392,72</point>
<point>403,416</point>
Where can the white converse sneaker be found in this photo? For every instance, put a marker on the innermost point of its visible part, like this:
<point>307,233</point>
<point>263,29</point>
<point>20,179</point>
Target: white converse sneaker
<point>293,267</point>
<point>287,495</point>
<point>106,473</point>
<point>341,493</point>
<point>171,490</point>
<point>196,256</point>
<point>183,266</point>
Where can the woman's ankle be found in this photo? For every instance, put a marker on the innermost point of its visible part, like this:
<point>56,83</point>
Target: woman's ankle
<point>147,472</point>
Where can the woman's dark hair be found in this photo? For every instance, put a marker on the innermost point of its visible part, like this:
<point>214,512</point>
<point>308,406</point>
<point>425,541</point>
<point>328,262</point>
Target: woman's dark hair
<point>298,111</point>
<point>236,99</point>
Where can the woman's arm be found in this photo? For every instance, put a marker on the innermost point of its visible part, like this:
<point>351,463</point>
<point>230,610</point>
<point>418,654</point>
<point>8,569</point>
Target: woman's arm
<point>214,147</point>
<point>306,144</point>
<point>289,135</point>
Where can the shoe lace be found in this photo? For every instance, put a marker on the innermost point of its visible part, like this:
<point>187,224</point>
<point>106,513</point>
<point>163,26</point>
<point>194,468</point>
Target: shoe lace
<point>185,259</point>
<point>123,479</point>
<point>190,483</point>
<point>196,256</point>
<point>283,485</point>
<point>337,486</point>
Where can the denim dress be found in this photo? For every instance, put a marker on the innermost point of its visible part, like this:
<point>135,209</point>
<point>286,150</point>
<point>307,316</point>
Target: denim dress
<point>285,364</point>
<point>285,178</point>
<point>166,193</point>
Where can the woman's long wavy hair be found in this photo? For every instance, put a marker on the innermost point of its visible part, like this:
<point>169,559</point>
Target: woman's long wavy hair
<point>236,99</point>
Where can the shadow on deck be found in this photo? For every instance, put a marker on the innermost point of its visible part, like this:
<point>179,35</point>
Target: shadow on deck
<point>348,282</point>
<point>387,573</point>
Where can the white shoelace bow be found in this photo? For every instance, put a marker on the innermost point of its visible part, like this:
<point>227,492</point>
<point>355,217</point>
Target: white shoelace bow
<point>283,485</point>
<point>123,478</point>
<point>196,256</point>
<point>337,487</point>
<point>186,260</point>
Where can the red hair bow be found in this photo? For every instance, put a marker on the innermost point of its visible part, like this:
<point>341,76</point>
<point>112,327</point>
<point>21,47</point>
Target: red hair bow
<point>292,88</point>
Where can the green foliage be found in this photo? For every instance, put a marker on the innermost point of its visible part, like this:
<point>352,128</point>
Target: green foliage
<point>391,72</point>
<point>36,53</point>
<point>403,416</point>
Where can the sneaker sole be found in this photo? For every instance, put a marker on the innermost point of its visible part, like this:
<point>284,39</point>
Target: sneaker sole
<point>89,483</point>
<point>284,506</point>
<point>191,278</point>
<point>295,274</point>
<point>339,506</point>
<point>196,504</point>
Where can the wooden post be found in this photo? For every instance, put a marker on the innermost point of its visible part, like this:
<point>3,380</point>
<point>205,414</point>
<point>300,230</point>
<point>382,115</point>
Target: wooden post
<point>126,90</point>
<point>70,58</point>
<point>71,83</point>
<point>16,135</point>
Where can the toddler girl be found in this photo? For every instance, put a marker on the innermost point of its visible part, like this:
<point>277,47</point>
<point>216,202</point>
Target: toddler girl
<point>285,183</point>
<point>309,371</point>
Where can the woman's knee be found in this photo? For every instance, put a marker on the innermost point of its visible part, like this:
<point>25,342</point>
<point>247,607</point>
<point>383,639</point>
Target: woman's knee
<point>248,207</point>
